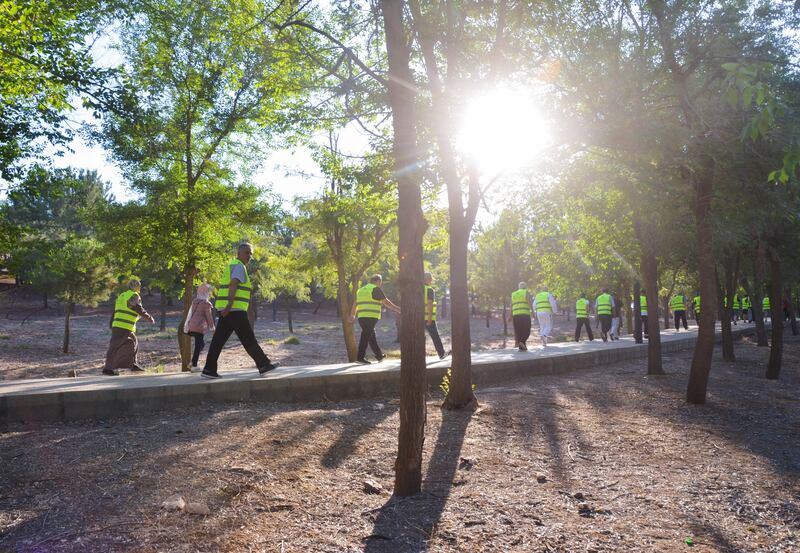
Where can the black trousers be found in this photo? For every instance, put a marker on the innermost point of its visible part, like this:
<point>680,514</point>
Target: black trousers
<point>199,344</point>
<point>433,330</point>
<point>644,325</point>
<point>522,328</point>
<point>368,336</point>
<point>581,322</point>
<point>680,315</point>
<point>605,324</point>
<point>237,322</point>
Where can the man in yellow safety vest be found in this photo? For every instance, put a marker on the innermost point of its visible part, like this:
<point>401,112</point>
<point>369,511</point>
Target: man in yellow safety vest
<point>430,316</point>
<point>678,306</point>
<point>368,306</point>
<point>582,318</point>
<point>545,305</point>
<point>124,346</point>
<point>521,315</point>
<point>233,299</point>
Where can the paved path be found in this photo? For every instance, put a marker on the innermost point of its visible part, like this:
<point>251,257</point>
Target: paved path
<point>100,396</point>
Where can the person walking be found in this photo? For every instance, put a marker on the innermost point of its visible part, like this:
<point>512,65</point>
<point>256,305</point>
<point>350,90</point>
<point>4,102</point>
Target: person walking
<point>765,308</point>
<point>643,312</point>
<point>233,299</point>
<point>545,305</point>
<point>430,316</point>
<point>582,318</point>
<point>521,315</point>
<point>616,317</point>
<point>696,308</point>
<point>367,307</point>
<point>678,306</point>
<point>124,346</point>
<point>737,308</point>
<point>746,308</point>
<point>603,306</point>
<point>199,320</point>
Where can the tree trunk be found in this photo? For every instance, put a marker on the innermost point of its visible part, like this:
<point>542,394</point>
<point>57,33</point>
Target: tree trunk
<point>275,310</point>
<point>505,317</point>
<point>488,317</point>
<point>70,307</point>
<point>665,307</point>
<point>348,332</point>
<point>626,301</point>
<point>184,340</point>
<point>650,275</point>
<point>758,312</point>
<point>319,304</point>
<point>163,325</point>
<point>289,316</point>
<point>776,304</point>
<point>411,226</point>
<point>792,312</point>
<point>45,300</point>
<point>637,313</point>
<point>728,291</point>
<point>704,347</point>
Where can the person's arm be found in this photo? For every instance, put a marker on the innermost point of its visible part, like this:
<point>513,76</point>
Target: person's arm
<point>188,318</point>
<point>209,316</point>
<point>135,304</point>
<point>553,304</point>
<point>389,305</point>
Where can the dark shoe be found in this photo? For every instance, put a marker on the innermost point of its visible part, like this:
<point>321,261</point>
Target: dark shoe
<point>363,361</point>
<point>265,369</point>
<point>380,357</point>
<point>209,374</point>
<point>110,372</point>
<point>444,355</point>
<point>137,369</point>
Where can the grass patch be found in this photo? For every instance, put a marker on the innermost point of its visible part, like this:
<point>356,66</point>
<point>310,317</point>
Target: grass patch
<point>392,354</point>
<point>5,337</point>
<point>292,341</point>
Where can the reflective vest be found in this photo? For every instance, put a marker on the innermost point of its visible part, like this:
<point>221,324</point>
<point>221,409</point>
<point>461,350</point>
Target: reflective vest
<point>542,302</point>
<point>242,298</point>
<point>366,307</point>
<point>643,304</point>
<point>604,304</point>
<point>125,317</point>
<point>425,303</point>
<point>519,303</point>
<point>696,304</point>
<point>746,302</point>
<point>765,303</point>
<point>737,304</point>
<point>676,303</point>
<point>582,308</point>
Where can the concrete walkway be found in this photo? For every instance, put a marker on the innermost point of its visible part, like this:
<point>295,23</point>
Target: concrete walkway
<point>100,396</point>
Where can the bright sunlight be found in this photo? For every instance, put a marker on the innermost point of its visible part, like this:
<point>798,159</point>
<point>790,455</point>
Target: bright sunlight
<point>502,131</point>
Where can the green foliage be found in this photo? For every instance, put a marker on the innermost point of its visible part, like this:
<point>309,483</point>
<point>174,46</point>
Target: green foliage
<point>292,341</point>
<point>80,273</point>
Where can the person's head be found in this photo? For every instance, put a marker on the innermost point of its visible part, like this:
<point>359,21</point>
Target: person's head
<point>583,294</point>
<point>134,285</point>
<point>544,288</point>
<point>522,285</point>
<point>204,291</point>
<point>605,290</point>
<point>244,252</point>
<point>428,278</point>
<point>643,292</point>
<point>376,279</point>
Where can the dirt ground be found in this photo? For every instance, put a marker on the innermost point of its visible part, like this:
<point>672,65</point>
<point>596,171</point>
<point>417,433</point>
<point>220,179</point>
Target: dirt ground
<point>31,338</point>
<point>626,465</point>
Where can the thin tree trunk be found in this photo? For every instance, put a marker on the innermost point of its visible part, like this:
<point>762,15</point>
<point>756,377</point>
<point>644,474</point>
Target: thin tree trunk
<point>275,310</point>
<point>704,347</point>
<point>488,316</point>
<point>757,306</point>
<point>637,313</point>
<point>45,300</point>
<point>650,275</point>
<point>70,307</point>
<point>319,304</point>
<point>725,295</point>
<point>665,307</point>
<point>505,319</point>
<point>412,226</point>
<point>628,313</point>
<point>163,325</point>
<point>184,340</point>
<point>792,312</point>
<point>776,304</point>
<point>289,316</point>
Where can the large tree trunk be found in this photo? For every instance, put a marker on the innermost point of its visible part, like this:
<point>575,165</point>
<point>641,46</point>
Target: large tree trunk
<point>412,226</point>
<point>650,276</point>
<point>163,325</point>
<point>704,348</point>
<point>348,332</point>
<point>758,312</point>
<point>184,340</point>
<point>70,307</point>
<point>776,304</point>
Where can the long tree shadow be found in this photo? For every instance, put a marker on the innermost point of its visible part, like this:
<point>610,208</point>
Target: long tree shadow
<point>355,424</point>
<point>406,525</point>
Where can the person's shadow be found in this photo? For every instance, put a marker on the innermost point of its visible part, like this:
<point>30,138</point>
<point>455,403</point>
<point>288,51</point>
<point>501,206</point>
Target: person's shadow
<point>406,524</point>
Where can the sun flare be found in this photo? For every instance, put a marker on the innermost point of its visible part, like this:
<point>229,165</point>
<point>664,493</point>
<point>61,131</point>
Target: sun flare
<point>502,131</point>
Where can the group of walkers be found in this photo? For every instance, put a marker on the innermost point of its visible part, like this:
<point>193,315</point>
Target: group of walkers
<point>233,299</point>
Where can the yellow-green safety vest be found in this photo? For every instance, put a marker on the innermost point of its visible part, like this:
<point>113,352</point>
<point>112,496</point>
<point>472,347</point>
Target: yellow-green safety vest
<point>676,303</point>
<point>542,302</point>
<point>366,307</point>
<point>696,303</point>
<point>642,304</point>
<point>124,316</point>
<point>604,304</point>
<point>737,303</point>
<point>746,303</point>
<point>242,298</point>
<point>425,303</point>
<point>765,303</point>
<point>582,308</point>
<point>519,302</point>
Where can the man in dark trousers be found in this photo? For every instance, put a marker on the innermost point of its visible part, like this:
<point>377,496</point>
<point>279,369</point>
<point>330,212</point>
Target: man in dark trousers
<point>521,315</point>
<point>582,318</point>
<point>643,311</point>
<point>430,316</point>
<point>367,307</point>
<point>678,306</point>
<point>233,299</point>
<point>604,307</point>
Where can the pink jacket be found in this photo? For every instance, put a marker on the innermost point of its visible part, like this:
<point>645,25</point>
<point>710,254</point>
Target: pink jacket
<point>200,319</point>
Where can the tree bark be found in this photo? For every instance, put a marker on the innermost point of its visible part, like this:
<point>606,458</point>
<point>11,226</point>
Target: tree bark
<point>726,293</point>
<point>776,305</point>
<point>184,340</point>
<point>758,312</point>
<point>70,307</point>
<point>163,324</point>
<point>704,347</point>
<point>637,313</point>
<point>650,275</point>
<point>488,317</point>
<point>412,227</point>
<point>289,316</point>
<point>792,312</point>
<point>45,300</point>
<point>348,332</point>
<point>505,319</point>
<point>626,301</point>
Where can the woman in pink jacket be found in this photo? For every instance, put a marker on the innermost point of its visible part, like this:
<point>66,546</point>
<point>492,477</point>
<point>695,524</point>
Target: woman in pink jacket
<point>199,320</point>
